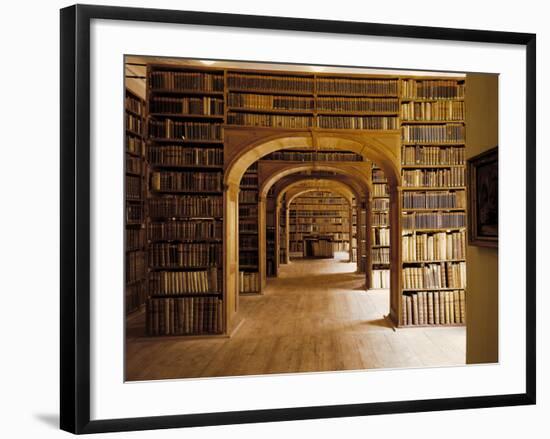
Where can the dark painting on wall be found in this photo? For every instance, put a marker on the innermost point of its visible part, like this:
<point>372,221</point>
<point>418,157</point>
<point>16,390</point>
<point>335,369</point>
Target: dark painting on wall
<point>483,189</point>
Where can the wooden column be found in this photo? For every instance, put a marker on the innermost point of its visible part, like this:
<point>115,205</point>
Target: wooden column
<point>287,233</point>
<point>231,254</point>
<point>277,240</point>
<point>395,254</point>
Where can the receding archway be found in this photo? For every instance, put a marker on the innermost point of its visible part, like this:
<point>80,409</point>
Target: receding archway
<point>244,146</point>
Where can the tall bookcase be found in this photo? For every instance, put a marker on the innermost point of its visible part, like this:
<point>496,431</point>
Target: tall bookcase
<point>322,216</point>
<point>380,231</point>
<point>433,202</point>
<point>249,278</point>
<point>185,221</point>
<point>270,234</point>
<point>135,192</point>
<point>282,249</point>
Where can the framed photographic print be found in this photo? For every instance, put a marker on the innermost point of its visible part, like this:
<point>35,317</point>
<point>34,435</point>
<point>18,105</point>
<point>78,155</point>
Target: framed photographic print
<point>253,235</point>
<point>483,190</point>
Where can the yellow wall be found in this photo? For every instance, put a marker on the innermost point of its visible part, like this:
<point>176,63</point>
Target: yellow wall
<point>482,262</point>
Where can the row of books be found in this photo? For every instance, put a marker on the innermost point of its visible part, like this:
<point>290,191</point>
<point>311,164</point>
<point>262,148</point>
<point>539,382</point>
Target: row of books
<point>442,110</point>
<point>437,246</point>
<point>134,213</point>
<point>269,102</point>
<point>205,105</point>
<point>187,181</point>
<point>133,104</point>
<point>269,120</point>
<point>136,266</point>
<point>432,89</point>
<point>249,282</point>
<point>134,145</point>
<point>358,122</point>
<point>184,316</point>
<point>168,129</point>
<point>340,246</point>
<point>183,206</point>
<point>380,204</point>
<point>432,155</point>
<point>380,190</point>
<point>177,155</point>
<point>313,211</point>
<point>251,226</point>
<point>452,177</point>
<point>380,236</point>
<point>249,179</point>
<point>248,241</point>
<point>376,87</point>
<point>450,133</point>
<point>248,258</point>
<point>248,196</point>
<point>185,230</point>
<point>135,296</point>
<point>436,276</point>
<point>359,105</point>
<point>133,187</point>
<point>270,82</point>
<point>315,228</point>
<point>434,308</point>
<point>163,283</point>
<point>436,220</point>
<point>380,255</point>
<point>185,255</point>
<point>133,123</point>
<point>319,220</point>
<point>133,165</point>
<point>318,156</point>
<point>299,236</point>
<point>186,81</point>
<point>434,199</point>
<point>248,211</point>
<point>378,176</point>
<point>319,197</point>
<point>380,279</point>
<point>135,238</point>
<point>380,219</point>
<point>334,204</point>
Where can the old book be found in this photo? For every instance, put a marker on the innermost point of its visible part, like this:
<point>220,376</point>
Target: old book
<point>415,309</point>
<point>430,308</point>
<point>436,307</point>
<point>462,298</point>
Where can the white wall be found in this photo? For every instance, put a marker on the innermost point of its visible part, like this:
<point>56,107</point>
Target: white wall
<point>29,365</point>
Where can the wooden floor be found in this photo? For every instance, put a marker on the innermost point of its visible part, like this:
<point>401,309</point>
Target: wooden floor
<point>314,317</point>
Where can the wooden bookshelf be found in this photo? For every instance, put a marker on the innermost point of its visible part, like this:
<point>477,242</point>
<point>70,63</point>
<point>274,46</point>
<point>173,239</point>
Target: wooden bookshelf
<point>433,203</point>
<point>318,216</point>
<point>135,192</point>
<point>188,109</point>
<point>249,277</point>
<point>380,231</point>
<point>185,201</point>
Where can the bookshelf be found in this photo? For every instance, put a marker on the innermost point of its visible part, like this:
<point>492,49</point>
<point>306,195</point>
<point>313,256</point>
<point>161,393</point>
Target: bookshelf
<point>183,175</point>
<point>380,231</point>
<point>433,204</point>
<point>249,281</point>
<point>135,192</point>
<point>185,201</point>
<point>271,242</point>
<point>318,225</point>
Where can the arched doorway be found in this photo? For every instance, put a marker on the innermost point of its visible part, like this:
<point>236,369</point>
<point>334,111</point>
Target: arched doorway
<point>244,146</point>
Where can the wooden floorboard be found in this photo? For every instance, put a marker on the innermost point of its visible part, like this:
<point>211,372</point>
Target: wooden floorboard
<point>315,317</point>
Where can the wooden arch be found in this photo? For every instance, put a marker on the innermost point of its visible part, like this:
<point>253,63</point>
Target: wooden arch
<point>245,145</point>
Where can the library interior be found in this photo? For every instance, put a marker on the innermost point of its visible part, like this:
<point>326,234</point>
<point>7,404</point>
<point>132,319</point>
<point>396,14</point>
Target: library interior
<point>293,218</point>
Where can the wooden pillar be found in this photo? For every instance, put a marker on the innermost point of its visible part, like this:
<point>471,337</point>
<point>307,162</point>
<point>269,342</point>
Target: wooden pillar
<point>231,254</point>
<point>395,254</point>
<point>277,238</point>
<point>350,230</point>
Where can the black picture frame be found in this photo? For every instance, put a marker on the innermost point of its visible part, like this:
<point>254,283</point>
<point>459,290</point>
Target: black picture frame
<point>75,217</point>
<point>483,199</point>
